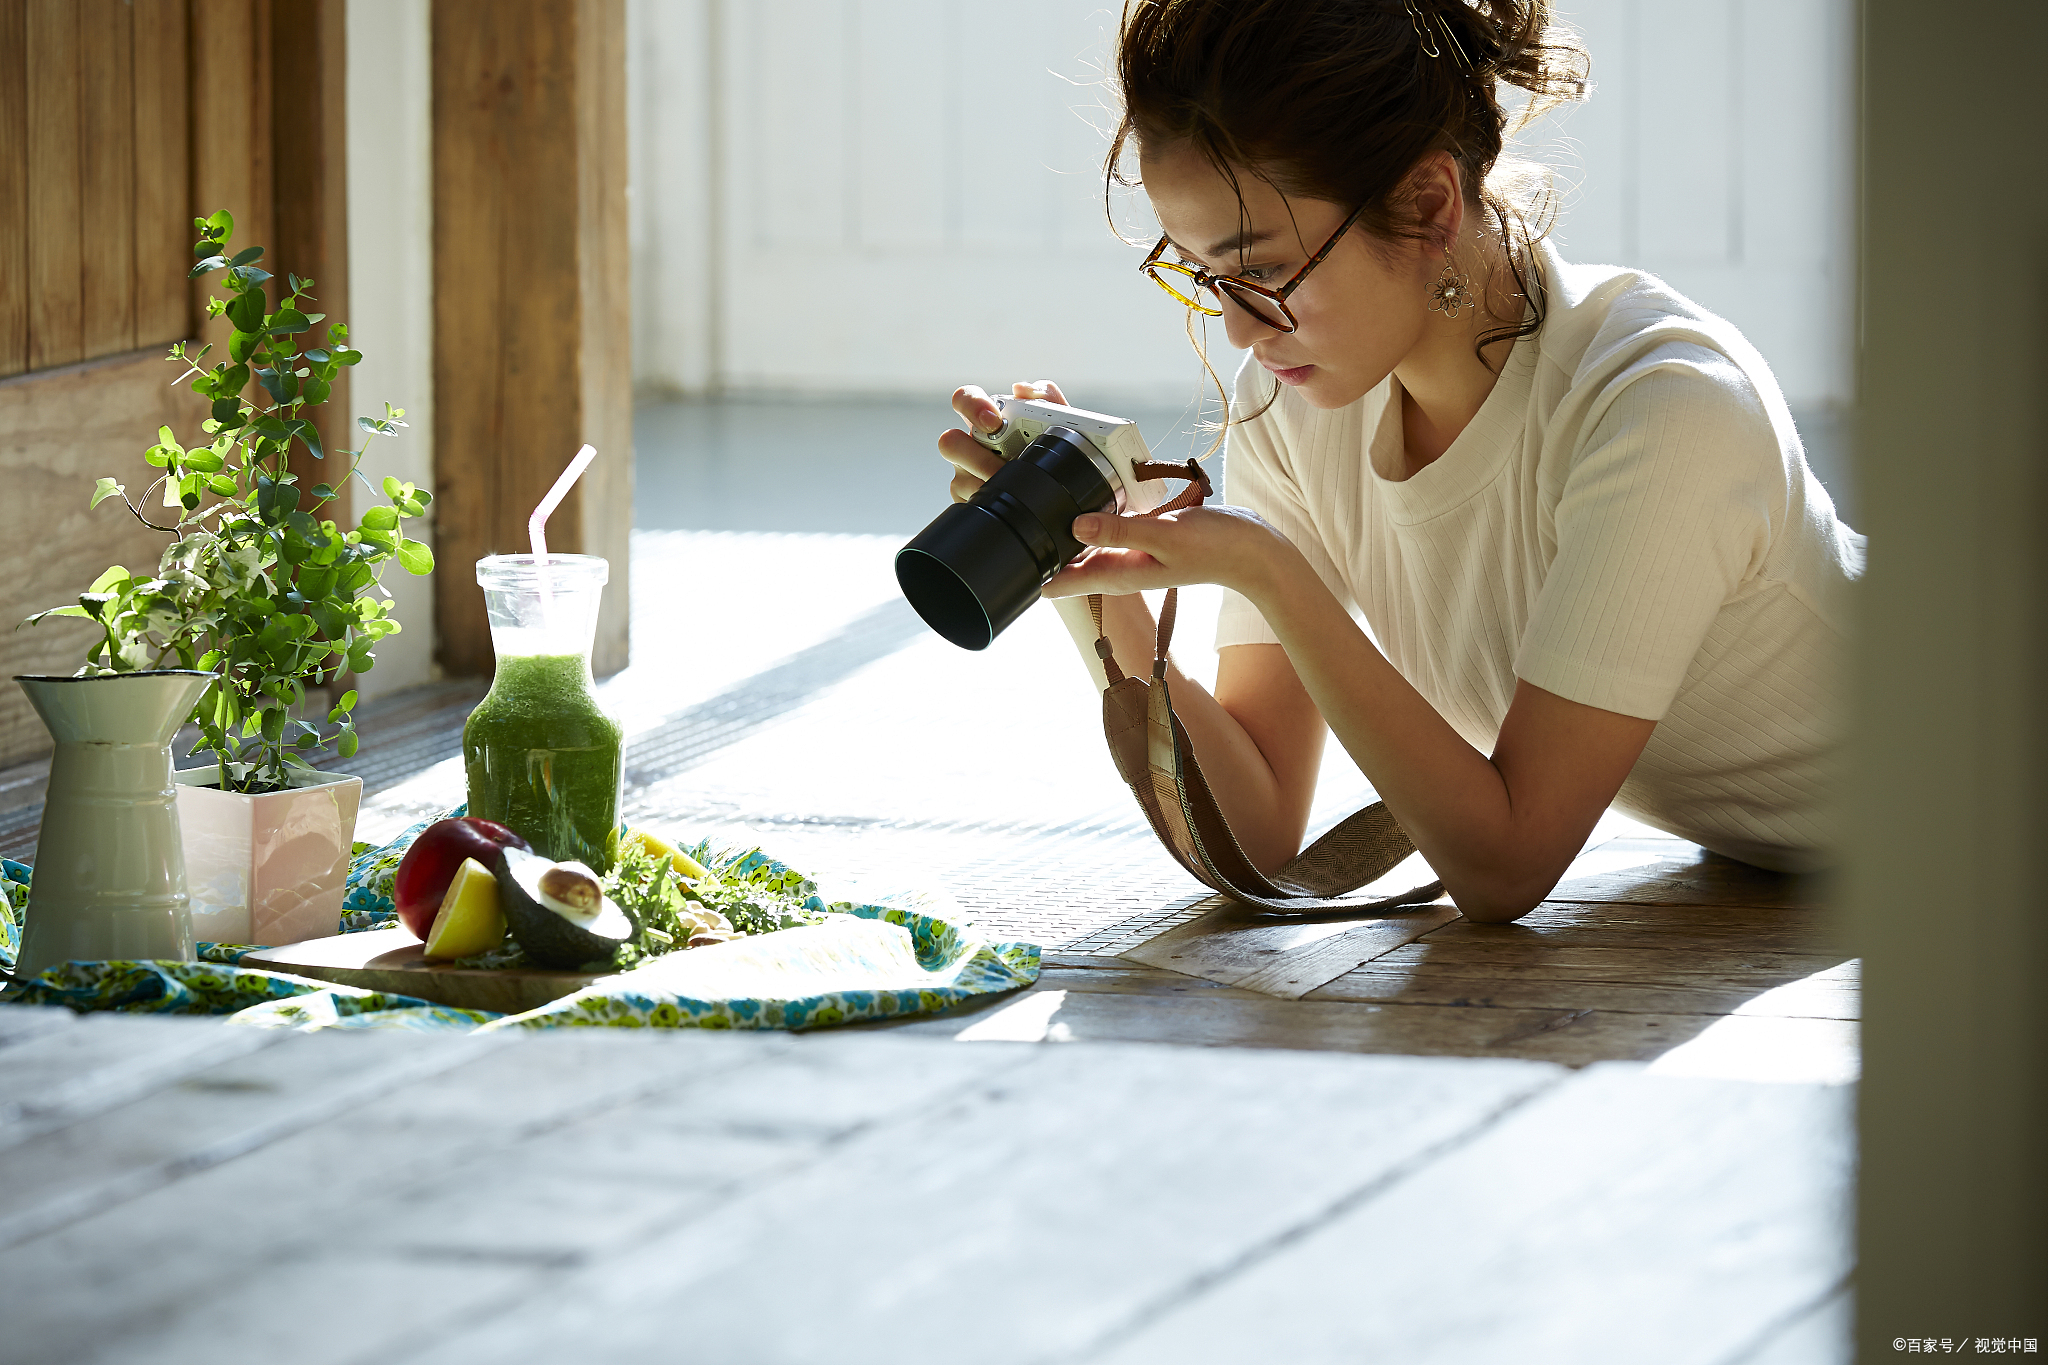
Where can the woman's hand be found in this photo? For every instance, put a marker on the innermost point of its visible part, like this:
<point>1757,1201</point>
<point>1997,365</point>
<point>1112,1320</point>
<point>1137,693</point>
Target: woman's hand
<point>973,463</point>
<point>1225,545</point>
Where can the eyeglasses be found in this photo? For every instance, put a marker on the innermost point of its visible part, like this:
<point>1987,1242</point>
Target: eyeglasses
<point>1267,306</point>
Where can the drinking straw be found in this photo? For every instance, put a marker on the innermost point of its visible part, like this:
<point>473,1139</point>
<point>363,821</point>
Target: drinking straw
<point>537,524</point>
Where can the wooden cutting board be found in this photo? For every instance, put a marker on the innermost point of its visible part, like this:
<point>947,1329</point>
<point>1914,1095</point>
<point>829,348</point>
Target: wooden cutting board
<point>393,960</point>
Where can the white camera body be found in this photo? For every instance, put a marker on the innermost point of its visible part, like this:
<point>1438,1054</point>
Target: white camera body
<point>1114,444</point>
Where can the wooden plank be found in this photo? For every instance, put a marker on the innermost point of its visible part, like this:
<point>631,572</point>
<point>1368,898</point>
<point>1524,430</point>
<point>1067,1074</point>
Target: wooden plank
<point>21,1023</point>
<point>979,1192</point>
<point>14,290</point>
<point>106,165</point>
<point>1608,979</point>
<point>69,1075</point>
<point>1067,1010</point>
<point>605,498</point>
<point>205,1119</point>
<point>1690,876</point>
<point>163,189</point>
<point>309,127</point>
<point>528,202</point>
<point>1619,924</point>
<point>517,1161</point>
<point>229,46</point>
<point>1230,945</point>
<point>60,430</point>
<point>583,1193</point>
<point>1643,980</point>
<point>1616,1218</point>
<point>393,960</point>
<point>54,333</point>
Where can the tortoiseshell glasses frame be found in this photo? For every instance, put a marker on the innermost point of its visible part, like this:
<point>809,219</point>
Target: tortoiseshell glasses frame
<point>1268,306</point>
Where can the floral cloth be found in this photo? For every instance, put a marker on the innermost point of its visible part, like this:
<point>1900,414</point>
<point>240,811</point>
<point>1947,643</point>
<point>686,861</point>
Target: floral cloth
<point>865,962</point>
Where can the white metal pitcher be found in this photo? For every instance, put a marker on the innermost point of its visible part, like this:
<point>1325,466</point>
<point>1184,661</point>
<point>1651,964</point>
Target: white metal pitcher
<point>109,869</point>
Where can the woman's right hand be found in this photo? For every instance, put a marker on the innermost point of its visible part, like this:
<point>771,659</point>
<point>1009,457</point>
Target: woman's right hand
<point>973,463</point>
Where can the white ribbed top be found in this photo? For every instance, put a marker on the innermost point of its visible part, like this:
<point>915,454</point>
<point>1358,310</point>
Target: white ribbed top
<point>1628,522</point>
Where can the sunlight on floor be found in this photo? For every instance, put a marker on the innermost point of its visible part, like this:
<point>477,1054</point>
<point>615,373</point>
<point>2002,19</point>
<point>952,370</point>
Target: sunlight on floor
<point>1028,1020</point>
<point>1771,1038</point>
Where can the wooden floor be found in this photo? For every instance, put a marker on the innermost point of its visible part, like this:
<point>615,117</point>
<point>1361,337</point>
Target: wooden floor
<point>1616,1131</point>
<point>1697,963</point>
<point>185,1191</point>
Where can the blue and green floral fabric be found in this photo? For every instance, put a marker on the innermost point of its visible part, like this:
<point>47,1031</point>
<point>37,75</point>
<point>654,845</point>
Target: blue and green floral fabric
<point>865,962</point>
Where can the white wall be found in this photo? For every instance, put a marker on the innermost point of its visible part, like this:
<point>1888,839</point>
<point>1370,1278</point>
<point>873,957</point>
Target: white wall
<point>391,299</point>
<point>1717,152</point>
<point>903,195</point>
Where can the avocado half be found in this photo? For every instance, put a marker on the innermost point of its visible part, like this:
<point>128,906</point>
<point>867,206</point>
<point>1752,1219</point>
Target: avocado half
<point>549,938</point>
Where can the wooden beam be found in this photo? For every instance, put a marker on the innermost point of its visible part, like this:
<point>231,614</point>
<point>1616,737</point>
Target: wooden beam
<point>1946,796</point>
<point>530,301</point>
<point>54,334</point>
<point>309,129</point>
<point>231,147</point>
<point>163,189</point>
<point>106,173</point>
<point>13,187</point>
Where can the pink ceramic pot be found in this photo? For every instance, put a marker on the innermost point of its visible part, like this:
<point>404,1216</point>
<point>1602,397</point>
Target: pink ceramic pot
<point>267,869</point>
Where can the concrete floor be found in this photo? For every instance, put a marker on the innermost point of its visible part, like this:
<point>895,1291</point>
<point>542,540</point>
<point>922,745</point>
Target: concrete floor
<point>866,465</point>
<point>775,463</point>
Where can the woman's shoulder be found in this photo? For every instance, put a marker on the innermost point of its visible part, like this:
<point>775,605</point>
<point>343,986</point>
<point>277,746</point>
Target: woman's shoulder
<point>1607,324</point>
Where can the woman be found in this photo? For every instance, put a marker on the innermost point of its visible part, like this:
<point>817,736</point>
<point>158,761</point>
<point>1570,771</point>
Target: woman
<point>1569,503</point>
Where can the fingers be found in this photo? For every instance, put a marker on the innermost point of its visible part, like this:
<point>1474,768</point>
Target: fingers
<point>1108,571</point>
<point>972,462</point>
<point>976,408</point>
<point>1103,531</point>
<point>967,454</point>
<point>1043,390</point>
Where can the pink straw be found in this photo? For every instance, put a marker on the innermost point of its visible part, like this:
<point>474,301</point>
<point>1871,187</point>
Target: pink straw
<point>537,524</point>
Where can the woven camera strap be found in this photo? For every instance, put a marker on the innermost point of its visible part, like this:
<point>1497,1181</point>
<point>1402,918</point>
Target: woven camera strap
<point>1154,756</point>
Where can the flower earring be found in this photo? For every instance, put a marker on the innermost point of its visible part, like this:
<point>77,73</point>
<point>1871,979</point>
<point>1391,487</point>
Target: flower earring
<point>1452,293</point>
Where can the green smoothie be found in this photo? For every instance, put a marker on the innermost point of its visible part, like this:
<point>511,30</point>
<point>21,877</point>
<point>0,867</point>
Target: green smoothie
<point>543,759</point>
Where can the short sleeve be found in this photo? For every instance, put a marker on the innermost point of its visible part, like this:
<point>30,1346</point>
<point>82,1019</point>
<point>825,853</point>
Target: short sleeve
<point>1668,508</point>
<point>1257,477</point>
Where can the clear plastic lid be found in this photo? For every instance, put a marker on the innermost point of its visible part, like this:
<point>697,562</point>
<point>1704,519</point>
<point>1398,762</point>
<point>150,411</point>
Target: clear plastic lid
<point>524,620</point>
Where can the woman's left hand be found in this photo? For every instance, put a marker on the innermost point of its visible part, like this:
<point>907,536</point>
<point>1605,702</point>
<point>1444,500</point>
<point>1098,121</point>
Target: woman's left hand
<point>1127,554</point>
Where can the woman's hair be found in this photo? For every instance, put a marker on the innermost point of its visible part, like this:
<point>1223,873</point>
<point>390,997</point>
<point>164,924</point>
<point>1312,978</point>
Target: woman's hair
<point>1340,99</point>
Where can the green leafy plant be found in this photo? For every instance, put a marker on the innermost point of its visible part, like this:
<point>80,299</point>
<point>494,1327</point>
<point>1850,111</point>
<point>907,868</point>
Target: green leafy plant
<point>256,584</point>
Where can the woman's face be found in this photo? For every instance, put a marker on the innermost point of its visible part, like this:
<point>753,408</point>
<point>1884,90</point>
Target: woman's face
<point>1360,312</point>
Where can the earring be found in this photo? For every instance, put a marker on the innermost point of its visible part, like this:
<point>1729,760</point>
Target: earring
<point>1452,292</point>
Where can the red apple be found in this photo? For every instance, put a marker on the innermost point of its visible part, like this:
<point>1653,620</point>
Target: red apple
<point>430,865</point>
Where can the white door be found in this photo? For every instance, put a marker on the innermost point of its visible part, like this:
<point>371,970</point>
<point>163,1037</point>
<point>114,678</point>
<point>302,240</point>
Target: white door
<point>898,196</point>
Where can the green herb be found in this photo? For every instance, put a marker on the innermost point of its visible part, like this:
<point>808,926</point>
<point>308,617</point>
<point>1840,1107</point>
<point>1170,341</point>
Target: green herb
<point>667,909</point>
<point>255,584</point>
<point>653,895</point>
<point>758,900</point>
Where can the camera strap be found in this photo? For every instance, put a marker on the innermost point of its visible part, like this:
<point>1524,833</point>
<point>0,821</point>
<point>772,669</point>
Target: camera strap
<point>1154,756</point>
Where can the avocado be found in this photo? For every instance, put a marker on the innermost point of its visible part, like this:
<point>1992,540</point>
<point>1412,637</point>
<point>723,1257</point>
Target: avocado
<point>549,937</point>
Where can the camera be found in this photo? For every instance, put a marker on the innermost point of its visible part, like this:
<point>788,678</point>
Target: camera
<point>980,563</point>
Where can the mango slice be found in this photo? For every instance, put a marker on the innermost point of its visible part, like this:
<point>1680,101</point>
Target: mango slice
<point>470,920</point>
<point>662,848</point>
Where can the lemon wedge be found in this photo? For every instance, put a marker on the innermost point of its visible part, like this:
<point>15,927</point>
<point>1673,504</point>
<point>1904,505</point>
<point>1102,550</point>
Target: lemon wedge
<point>681,861</point>
<point>470,920</point>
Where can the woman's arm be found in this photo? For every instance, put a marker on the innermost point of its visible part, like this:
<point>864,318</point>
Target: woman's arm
<point>1499,830</point>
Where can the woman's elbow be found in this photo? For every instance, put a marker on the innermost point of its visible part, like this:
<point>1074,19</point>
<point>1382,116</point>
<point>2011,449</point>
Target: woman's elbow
<point>1497,899</point>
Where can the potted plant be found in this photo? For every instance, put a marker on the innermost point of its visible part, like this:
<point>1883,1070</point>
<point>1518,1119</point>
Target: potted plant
<point>257,586</point>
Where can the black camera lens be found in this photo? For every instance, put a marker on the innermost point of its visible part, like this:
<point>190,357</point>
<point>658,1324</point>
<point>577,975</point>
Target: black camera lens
<point>981,562</point>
